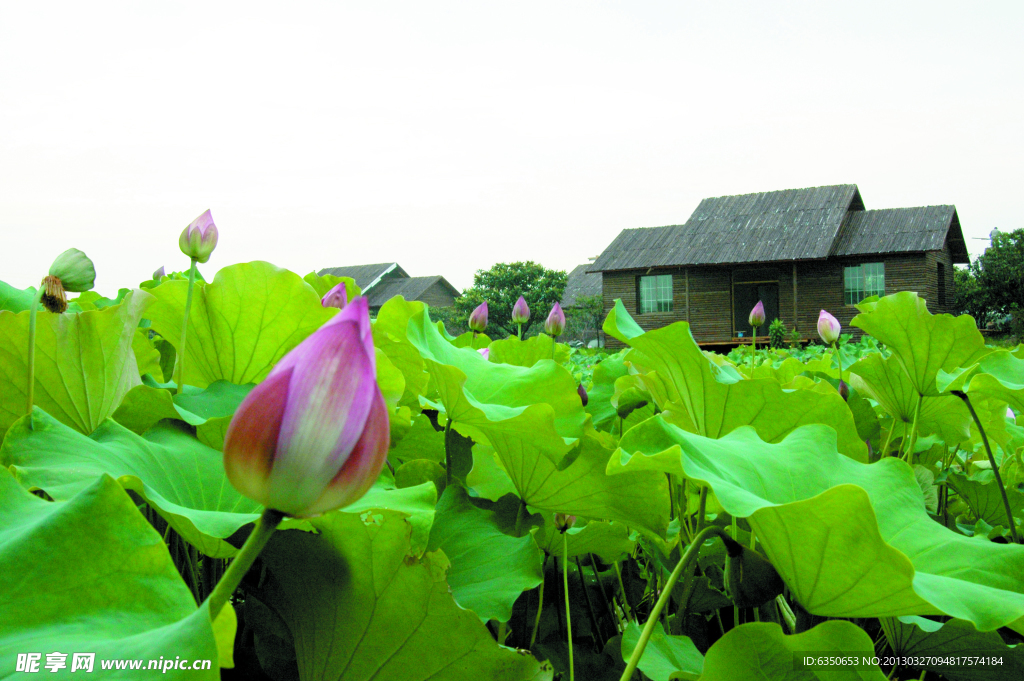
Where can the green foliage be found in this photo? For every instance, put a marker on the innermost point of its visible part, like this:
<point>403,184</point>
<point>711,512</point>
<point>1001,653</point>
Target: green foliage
<point>971,296</point>
<point>777,334</point>
<point>502,285</point>
<point>1000,270</point>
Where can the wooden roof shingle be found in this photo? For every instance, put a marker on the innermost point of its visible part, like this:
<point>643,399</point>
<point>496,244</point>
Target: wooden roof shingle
<point>365,275</point>
<point>410,288</point>
<point>902,230</point>
<point>581,283</point>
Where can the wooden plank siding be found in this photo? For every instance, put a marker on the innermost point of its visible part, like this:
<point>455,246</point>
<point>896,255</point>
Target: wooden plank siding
<point>820,285</point>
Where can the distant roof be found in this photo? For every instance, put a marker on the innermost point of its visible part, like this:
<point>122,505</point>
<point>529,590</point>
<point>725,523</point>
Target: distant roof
<point>365,275</point>
<point>792,224</point>
<point>581,283</point>
<point>410,288</point>
<point>901,230</point>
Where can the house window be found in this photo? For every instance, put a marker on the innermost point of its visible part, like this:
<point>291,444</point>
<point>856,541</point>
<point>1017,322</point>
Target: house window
<point>656,293</point>
<point>942,285</point>
<point>864,281</point>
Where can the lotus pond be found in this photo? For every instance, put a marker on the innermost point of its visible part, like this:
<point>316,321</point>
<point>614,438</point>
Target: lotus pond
<point>736,519</point>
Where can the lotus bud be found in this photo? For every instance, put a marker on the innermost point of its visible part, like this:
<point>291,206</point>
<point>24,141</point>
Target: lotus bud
<point>828,328</point>
<point>336,297</point>
<point>756,318</point>
<point>555,323</point>
<point>478,318</point>
<point>485,353</point>
<point>583,394</point>
<point>314,435</point>
<point>199,239</point>
<point>71,271</point>
<point>749,578</point>
<point>159,274</point>
<point>1010,415</point>
<point>520,311</point>
<point>844,390</point>
<point>563,522</point>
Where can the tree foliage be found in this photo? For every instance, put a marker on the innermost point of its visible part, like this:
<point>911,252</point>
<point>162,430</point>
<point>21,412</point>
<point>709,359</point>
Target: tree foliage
<point>970,297</point>
<point>1000,270</point>
<point>502,285</point>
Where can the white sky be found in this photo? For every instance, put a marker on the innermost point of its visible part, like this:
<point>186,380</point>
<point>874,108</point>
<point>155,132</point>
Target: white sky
<point>450,136</point>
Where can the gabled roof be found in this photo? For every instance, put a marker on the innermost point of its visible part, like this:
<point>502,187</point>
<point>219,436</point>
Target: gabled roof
<point>366,276</point>
<point>902,230</point>
<point>793,224</point>
<point>581,283</point>
<point>410,288</point>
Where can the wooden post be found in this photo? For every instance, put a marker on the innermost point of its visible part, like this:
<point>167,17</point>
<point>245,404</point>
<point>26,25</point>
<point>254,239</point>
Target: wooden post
<point>686,275</point>
<point>795,308</point>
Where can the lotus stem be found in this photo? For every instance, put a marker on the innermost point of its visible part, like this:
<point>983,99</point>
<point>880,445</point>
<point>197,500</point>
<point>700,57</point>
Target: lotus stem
<point>565,588</point>
<point>685,564</point>
<point>753,349</point>
<point>913,431</point>
<point>265,527</point>
<point>992,461</point>
<point>184,327</point>
<point>540,602</point>
<point>595,628</point>
<point>30,389</point>
<point>702,507</point>
<point>447,451</point>
<point>622,589</point>
<point>520,334</point>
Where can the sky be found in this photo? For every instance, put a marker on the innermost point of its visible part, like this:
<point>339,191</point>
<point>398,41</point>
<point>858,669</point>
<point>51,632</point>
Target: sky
<point>448,136</point>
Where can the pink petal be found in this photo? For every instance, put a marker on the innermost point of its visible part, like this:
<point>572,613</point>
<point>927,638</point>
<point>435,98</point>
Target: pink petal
<point>251,439</point>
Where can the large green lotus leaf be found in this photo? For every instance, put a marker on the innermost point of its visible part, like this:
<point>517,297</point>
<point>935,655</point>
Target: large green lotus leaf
<point>323,284</point>
<point>146,355</point>
<point>599,404</point>
<point>608,540</point>
<point>760,650</point>
<point>849,539</point>
<point>421,442</point>
<point>981,493</point>
<point>885,381</point>
<point>360,608</point>
<point>240,324</point>
<point>91,300</point>
<point>665,657</point>
<point>179,476</point>
<point>16,299</point>
<point>144,405</point>
<point>489,569</point>
<point>487,478</point>
<point>717,401</point>
<point>581,488</point>
<point>389,335</point>
<point>526,353</point>
<point>1000,376</point>
<point>84,362</point>
<point>416,503</point>
<point>919,637</point>
<point>791,367</point>
<point>922,342</point>
<point>91,575</point>
<point>472,339</point>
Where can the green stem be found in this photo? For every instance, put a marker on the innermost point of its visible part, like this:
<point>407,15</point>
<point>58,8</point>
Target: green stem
<point>265,527</point>
<point>184,327</point>
<point>622,590</point>
<point>595,628</point>
<point>992,461</point>
<point>565,587</point>
<point>913,432</point>
<point>540,603</point>
<point>735,608</point>
<point>685,564</point>
<point>839,358</point>
<point>519,518</point>
<point>31,387</point>
<point>702,507</point>
<point>888,439</point>
<point>447,451</point>
<point>520,331</point>
<point>753,349</point>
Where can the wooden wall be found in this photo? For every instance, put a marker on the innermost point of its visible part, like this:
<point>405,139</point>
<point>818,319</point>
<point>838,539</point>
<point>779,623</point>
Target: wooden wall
<point>819,286</point>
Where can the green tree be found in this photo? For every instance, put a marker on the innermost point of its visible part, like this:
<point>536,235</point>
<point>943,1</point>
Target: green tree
<point>502,285</point>
<point>970,297</point>
<point>585,317</point>
<point>1000,270</point>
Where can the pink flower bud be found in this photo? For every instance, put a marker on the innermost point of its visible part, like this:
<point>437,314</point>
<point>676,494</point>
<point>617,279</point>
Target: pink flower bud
<point>336,297</point>
<point>828,328</point>
<point>563,522</point>
<point>583,394</point>
<point>757,315</point>
<point>555,323</point>
<point>844,390</point>
<point>478,319</point>
<point>314,435</point>
<point>159,274</point>
<point>485,353</point>
<point>1010,415</point>
<point>520,311</point>
<point>200,238</point>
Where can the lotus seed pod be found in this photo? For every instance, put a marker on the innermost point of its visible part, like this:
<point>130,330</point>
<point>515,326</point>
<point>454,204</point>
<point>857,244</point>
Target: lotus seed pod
<point>75,271</point>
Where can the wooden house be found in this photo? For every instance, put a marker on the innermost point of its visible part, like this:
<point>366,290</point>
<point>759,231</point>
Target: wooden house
<point>579,284</point>
<point>798,251</point>
<point>381,282</point>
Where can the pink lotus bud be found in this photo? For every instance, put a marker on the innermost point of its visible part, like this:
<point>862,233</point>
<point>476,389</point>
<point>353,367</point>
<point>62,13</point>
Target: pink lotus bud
<point>485,353</point>
<point>1010,415</point>
<point>478,319</point>
<point>336,297</point>
<point>555,323</point>
<point>583,394</point>
<point>563,522</point>
<point>828,328</point>
<point>757,315</point>
<point>199,238</point>
<point>159,274</point>
<point>314,435</point>
<point>844,390</point>
<point>520,311</point>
